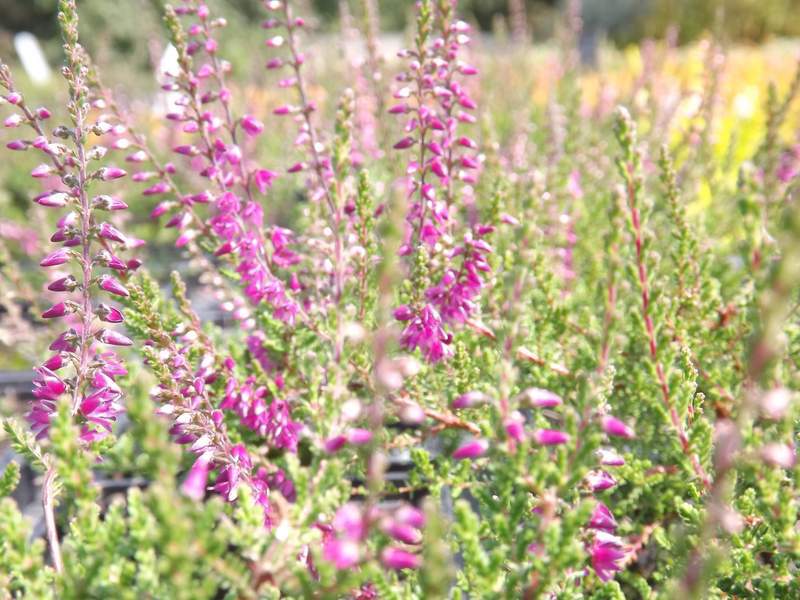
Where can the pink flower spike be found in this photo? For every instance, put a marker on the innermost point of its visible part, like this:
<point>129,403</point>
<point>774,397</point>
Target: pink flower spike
<point>398,559</point>
<point>615,427</point>
<point>112,286</point>
<point>602,519</point>
<point>472,449</point>
<point>59,257</point>
<point>550,437</point>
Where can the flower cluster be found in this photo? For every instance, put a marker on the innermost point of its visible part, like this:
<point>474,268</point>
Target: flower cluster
<point>214,144</point>
<point>87,261</point>
<point>436,104</point>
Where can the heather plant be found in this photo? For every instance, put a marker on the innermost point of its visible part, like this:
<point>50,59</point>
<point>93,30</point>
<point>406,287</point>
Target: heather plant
<point>469,342</point>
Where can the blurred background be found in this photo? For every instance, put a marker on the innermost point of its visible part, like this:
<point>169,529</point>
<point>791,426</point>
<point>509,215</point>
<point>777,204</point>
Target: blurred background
<point>119,27</point>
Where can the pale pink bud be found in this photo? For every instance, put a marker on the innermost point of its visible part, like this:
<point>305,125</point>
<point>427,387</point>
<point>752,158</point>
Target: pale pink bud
<point>775,403</point>
<point>779,455</point>
<point>17,145</point>
<point>469,399</point>
<point>41,171</point>
<point>14,120</point>
<point>52,199</point>
<point>406,142</point>
<point>110,173</point>
<point>610,458</point>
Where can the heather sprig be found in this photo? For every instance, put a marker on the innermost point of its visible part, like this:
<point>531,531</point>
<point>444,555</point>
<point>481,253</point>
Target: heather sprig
<point>88,243</point>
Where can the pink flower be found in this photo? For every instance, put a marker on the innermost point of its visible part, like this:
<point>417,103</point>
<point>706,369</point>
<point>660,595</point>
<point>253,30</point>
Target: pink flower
<point>110,173</point>
<point>471,449</point>
<point>263,179</point>
<point>470,399</point>
<point>59,257</point>
<point>602,519</point>
<point>607,552</point>
<point>112,286</point>
<point>599,481</point>
<point>57,310</point>
<point>615,427</point>
<point>194,486</point>
<point>539,398</point>
<point>425,331</point>
<point>550,437</point>
<point>113,338</point>
<point>344,554</point>
<point>42,171</point>
<point>251,125</point>
<point>398,559</point>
